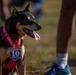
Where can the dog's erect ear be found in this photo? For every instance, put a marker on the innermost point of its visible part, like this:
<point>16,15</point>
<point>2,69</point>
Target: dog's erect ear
<point>15,11</point>
<point>27,8</point>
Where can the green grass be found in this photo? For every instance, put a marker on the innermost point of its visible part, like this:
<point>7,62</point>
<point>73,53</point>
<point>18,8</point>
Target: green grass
<point>41,54</point>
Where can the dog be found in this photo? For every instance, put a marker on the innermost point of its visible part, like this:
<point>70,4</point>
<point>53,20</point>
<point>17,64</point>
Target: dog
<point>12,51</point>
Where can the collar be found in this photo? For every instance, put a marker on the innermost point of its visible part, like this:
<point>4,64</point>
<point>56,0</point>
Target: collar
<point>9,40</point>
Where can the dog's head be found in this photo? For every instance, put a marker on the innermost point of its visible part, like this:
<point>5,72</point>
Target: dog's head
<point>24,23</point>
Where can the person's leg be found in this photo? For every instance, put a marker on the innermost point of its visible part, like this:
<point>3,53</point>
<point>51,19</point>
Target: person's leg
<point>4,9</point>
<point>65,30</point>
<point>65,26</point>
<point>64,33</point>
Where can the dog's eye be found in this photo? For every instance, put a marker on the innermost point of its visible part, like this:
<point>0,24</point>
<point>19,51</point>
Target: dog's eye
<point>29,18</point>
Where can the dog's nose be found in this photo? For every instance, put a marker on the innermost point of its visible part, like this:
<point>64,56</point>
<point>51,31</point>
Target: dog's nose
<point>39,27</point>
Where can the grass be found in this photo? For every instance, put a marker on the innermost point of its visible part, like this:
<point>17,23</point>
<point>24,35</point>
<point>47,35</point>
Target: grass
<point>41,54</point>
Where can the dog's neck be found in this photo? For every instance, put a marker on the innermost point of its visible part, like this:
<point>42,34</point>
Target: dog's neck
<point>11,29</point>
<point>14,35</point>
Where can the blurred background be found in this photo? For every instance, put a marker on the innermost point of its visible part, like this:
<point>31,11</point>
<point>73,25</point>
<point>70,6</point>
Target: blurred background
<point>40,55</point>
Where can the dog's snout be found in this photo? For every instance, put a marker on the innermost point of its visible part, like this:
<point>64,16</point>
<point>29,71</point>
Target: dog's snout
<point>38,26</point>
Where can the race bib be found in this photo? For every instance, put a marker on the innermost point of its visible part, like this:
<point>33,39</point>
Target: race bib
<point>15,53</point>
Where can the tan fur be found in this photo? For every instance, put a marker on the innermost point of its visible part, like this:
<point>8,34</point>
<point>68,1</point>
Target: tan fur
<point>19,29</point>
<point>20,66</point>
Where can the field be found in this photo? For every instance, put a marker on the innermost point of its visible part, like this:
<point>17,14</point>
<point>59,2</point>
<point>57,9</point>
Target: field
<point>40,55</point>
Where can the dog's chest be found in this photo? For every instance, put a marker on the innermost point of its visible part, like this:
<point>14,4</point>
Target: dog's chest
<point>13,54</point>
<point>9,57</point>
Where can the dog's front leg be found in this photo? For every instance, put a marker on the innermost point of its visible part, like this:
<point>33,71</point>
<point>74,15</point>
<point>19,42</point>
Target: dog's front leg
<point>21,62</point>
<point>20,68</point>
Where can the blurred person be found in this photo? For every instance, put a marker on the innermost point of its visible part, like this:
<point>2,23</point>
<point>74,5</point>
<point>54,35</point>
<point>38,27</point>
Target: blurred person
<point>37,11</point>
<point>64,33</point>
<point>4,9</point>
<point>5,6</point>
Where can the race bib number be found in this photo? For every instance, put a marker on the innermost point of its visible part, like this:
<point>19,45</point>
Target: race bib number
<point>15,54</point>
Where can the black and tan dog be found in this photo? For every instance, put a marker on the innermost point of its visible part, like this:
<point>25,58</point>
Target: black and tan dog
<point>12,50</point>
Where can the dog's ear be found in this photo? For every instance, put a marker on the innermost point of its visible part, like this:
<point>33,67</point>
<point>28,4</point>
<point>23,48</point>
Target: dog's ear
<point>27,8</point>
<point>15,11</point>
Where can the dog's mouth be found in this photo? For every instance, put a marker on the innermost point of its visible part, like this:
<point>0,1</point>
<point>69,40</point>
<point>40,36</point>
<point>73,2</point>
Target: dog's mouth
<point>31,33</point>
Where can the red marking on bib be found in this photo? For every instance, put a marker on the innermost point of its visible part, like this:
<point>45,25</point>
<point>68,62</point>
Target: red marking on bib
<point>10,65</point>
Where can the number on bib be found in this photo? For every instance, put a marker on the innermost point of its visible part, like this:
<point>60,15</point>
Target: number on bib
<point>15,54</point>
